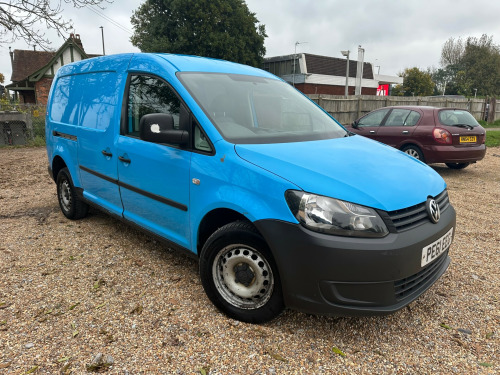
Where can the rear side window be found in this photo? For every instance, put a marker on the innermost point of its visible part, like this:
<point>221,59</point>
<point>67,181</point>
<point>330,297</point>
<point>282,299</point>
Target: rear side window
<point>89,100</point>
<point>150,95</point>
<point>412,118</point>
<point>65,102</point>
<point>402,117</point>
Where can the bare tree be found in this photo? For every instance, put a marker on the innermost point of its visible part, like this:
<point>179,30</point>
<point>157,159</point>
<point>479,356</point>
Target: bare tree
<point>23,19</point>
<point>452,52</point>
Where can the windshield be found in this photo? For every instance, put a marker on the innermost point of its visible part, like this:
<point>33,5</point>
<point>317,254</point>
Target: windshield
<point>454,117</point>
<point>249,109</point>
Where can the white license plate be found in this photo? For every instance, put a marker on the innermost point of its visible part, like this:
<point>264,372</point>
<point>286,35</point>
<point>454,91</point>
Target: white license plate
<point>435,249</point>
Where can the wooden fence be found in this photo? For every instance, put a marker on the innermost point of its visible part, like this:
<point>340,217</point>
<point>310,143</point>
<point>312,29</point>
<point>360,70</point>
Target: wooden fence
<point>346,110</point>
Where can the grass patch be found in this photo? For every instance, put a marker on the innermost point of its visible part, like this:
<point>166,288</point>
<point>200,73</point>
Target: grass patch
<point>485,124</point>
<point>38,141</point>
<point>492,138</point>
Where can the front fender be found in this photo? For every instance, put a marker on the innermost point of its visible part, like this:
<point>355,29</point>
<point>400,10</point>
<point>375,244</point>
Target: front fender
<point>227,181</point>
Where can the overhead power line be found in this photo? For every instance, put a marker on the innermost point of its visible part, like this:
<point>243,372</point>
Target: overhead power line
<point>110,20</point>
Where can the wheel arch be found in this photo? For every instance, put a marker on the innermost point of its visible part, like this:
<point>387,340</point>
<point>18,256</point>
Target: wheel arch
<point>410,143</point>
<point>57,164</point>
<point>66,159</point>
<point>213,220</point>
<point>416,145</point>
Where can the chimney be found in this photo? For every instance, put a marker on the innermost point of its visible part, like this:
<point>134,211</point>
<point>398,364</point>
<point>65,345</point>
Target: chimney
<point>76,39</point>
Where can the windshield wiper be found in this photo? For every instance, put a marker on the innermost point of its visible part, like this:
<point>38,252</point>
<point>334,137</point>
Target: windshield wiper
<point>467,126</point>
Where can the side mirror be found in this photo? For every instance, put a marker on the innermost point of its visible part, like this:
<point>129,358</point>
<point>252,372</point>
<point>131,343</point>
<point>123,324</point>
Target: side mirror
<point>159,128</point>
<point>355,124</point>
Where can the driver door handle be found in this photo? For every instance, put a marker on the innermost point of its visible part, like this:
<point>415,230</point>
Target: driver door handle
<point>372,131</point>
<point>405,131</point>
<point>105,153</point>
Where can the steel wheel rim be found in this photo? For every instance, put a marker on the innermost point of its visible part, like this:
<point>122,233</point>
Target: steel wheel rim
<point>65,195</point>
<point>237,265</point>
<point>413,152</point>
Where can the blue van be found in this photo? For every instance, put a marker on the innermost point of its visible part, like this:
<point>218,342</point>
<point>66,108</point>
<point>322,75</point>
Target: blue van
<point>281,204</point>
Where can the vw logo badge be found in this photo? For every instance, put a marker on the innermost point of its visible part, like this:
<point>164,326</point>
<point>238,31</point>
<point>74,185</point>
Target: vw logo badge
<point>433,210</point>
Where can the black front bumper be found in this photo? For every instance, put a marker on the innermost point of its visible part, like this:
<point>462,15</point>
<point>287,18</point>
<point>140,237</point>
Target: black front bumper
<point>325,274</point>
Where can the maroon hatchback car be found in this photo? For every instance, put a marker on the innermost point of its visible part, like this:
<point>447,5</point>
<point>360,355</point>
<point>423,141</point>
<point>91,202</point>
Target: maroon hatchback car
<point>432,135</point>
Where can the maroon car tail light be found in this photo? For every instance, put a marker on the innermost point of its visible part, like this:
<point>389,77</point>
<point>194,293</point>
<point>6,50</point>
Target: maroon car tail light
<point>442,136</point>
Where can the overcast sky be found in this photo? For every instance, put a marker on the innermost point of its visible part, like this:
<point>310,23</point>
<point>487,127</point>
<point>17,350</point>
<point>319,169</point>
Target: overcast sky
<point>396,34</point>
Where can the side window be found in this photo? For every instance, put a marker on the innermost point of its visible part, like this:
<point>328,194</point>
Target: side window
<point>150,95</point>
<point>374,118</point>
<point>397,117</point>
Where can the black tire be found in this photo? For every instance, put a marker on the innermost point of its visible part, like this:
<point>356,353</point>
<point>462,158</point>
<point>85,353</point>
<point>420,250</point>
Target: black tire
<point>414,151</point>
<point>457,165</point>
<point>71,205</point>
<point>239,274</point>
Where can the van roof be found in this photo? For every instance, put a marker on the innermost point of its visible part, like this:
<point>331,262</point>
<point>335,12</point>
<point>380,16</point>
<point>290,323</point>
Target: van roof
<point>181,63</point>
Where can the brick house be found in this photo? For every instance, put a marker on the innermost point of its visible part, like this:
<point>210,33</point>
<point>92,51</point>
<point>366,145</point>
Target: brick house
<point>33,71</point>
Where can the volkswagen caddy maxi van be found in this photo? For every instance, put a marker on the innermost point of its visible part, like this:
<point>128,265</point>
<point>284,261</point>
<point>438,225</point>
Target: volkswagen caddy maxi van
<point>282,206</point>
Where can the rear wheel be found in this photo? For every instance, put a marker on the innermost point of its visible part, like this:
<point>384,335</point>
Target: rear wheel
<point>239,275</point>
<point>71,205</point>
<point>457,165</point>
<point>414,151</point>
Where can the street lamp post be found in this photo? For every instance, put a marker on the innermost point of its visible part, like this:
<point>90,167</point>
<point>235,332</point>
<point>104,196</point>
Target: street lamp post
<point>346,54</point>
<point>294,58</point>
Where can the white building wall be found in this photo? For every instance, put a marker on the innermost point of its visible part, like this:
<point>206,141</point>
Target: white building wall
<point>66,55</point>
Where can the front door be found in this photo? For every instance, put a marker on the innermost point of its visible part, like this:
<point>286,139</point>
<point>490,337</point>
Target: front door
<point>153,178</point>
<point>369,125</point>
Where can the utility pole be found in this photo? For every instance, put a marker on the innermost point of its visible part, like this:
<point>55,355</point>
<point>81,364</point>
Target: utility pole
<point>359,70</point>
<point>102,36</point>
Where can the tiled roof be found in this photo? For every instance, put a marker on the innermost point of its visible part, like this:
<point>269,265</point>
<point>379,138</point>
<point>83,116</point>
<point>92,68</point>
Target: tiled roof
<point>335,66</point>
<point>27,62</point>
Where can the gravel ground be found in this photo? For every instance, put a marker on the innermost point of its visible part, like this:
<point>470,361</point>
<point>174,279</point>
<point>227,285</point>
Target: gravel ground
<point>71,290</point>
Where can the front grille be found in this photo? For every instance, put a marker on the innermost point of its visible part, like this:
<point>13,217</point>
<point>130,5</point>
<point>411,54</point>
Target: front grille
<point>409,285</point>
<point>413,216</point>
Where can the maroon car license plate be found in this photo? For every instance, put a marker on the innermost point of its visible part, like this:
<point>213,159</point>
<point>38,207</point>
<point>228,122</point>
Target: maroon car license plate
<point>468,139</point>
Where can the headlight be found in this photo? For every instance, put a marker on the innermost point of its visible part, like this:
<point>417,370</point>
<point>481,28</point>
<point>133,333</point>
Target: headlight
<point>333,216</point>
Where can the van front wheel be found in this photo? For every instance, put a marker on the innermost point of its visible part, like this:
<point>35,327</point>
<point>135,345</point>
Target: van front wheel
<point>71,205</point>
<point>239,275</point>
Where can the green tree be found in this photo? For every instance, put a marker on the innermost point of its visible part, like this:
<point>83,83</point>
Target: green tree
<point>481,62</point>
<point>415,83</point>
<point>224,29</point>
<point>469,65</point>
